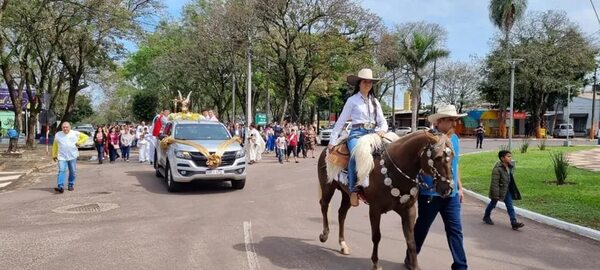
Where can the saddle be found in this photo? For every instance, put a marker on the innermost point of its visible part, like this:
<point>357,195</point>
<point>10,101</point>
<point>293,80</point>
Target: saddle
<point>339,155</point>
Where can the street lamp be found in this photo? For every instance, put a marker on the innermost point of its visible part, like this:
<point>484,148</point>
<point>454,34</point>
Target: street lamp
<point>513,64</point>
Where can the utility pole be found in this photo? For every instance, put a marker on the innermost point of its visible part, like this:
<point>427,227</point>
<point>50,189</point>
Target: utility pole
<point>394,102</point>
<point>233,99</point>
<point>249,89</point>
<point>568,142</point>
<point>593,127</point>
<point>513,65</point>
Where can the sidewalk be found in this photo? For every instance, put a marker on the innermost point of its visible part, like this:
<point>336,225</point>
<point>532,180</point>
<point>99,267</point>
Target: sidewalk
<point>588,160</point>
<point>13,169</point>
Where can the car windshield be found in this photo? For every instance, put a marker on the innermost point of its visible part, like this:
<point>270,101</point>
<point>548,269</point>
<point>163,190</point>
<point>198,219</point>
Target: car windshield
<point>200,132</point>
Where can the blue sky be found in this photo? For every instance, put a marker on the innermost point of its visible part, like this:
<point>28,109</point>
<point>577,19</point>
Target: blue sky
<point>467,21</point>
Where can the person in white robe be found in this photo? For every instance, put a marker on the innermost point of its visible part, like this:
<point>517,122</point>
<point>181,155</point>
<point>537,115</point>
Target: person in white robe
<point>256,145</point>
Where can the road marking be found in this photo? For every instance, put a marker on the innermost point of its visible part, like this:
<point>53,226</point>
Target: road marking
<point>9,178</point>
<point>250,252</point>
<point>5,184</point>
<point>6,173</point>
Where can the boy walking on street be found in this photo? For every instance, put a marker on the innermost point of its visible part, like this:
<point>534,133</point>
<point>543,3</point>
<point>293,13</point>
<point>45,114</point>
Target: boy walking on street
<point>503,187</point>
<point>64,150</point>
<point>280,142</point>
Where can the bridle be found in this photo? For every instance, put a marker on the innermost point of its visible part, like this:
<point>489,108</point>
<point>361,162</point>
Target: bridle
<point>417,180</point>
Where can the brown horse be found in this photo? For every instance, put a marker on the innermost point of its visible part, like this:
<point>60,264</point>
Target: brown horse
<point>393,185</point>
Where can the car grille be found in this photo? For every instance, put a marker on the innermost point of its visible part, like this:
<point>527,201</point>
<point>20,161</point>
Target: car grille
<point>227,159</point>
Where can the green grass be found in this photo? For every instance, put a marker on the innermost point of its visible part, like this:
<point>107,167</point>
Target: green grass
<point>576,202</point>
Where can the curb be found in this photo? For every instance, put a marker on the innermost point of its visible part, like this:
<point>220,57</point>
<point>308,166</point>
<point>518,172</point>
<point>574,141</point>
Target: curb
<point>557,223</point>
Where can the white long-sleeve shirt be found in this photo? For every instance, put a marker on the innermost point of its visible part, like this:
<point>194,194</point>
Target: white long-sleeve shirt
<point>361,111</point>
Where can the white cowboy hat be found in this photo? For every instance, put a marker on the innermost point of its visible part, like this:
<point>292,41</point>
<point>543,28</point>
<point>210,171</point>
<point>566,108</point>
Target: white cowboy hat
<point>445,111</point>
<point>363,74</point>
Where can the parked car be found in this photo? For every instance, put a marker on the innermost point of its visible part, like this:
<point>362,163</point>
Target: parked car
<point>423,128</point>
<point>181,163</point>
<point>561,130</point>
<point>86,127</point>
<point>401,131</point>
<point>324,134</point>
<point>89,143</point>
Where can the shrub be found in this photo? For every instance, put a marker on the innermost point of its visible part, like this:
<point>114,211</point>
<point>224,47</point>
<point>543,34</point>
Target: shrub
<point>542,145</point>
<point>561,166</point>
<point>504,147</point>
<point>524,146</point>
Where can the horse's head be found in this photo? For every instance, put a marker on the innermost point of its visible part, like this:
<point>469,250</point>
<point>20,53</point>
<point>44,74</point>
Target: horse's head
<point>436,161</point>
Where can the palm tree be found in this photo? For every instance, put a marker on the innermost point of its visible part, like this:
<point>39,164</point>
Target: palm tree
<point>418,50</point>
<point>504,14</point>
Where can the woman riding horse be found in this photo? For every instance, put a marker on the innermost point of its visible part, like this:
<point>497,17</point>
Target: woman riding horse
<point>367,117</point>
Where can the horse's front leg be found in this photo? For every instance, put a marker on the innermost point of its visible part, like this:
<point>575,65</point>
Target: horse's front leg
<point>409,215</point>
<point>375,217</point>
<point>341,220</point>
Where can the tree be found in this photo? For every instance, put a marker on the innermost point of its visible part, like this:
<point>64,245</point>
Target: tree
<point>144,105</point>
<point>420,44</point>
<point>504,14</point>
<point>82,109</point>
<point>458,84</point>
<point>556,55</point>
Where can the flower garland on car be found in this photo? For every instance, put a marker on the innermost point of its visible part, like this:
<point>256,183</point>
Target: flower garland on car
<point>213,160</point>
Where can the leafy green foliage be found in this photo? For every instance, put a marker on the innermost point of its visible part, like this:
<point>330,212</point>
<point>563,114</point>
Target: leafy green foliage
<point>561,166</point>
<point>555,53</point>
<point>525,146</point>
<point>542,145</point>
<point>143,106</point>
<point>82,109</point>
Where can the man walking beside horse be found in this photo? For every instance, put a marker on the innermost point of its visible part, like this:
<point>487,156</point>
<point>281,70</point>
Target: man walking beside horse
<point>431,202</point>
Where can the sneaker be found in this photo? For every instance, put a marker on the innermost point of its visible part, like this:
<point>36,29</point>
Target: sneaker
<point>517,225</point>
<point>71,188</point>
<point>488,220</point>
<point>59,190</point>
<point>354,199</point>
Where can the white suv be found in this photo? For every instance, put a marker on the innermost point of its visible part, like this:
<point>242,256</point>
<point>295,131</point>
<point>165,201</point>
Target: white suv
<point>325,133</point>
<point>181,163</point>
<point>562,130</point>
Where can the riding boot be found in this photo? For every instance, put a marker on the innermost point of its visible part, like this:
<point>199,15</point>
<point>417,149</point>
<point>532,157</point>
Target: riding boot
<point>354,199</point>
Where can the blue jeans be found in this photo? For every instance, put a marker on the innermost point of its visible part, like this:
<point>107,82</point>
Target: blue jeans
<point>125,152</point>
<point>62,168</point>
<point>100,149</point>
<point>353,137</point>
<point>112,152</point>
<point>449,209</point>
<point>280,154</point>
<point>509,207</point>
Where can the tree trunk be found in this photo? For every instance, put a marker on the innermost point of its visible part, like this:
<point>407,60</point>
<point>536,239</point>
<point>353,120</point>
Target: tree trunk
<point>30,141</point>
<point>415,104</point>
<point>18,125</point>
<point>502,125</point>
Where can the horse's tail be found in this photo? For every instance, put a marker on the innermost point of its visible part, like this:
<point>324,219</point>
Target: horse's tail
<point>363,151</point>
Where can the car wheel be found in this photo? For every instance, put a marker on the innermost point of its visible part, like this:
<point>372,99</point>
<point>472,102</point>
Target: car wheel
<point>172,186</point>
<point>157,173</point>
<point>154,164</point>
<point>238,184</point>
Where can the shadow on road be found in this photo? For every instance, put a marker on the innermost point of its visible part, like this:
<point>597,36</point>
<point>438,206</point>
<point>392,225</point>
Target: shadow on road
<point>151,183</point>
<point>290,253</point>
<point>47,189</point>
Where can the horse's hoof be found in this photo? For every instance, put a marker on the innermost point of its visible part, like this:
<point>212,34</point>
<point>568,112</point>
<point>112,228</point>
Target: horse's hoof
<point>323,238</point>
<point>345,249</point>
<point>376,267</point>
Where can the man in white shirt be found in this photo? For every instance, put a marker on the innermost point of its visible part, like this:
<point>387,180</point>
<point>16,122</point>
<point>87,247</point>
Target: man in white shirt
<point>212,117</point>
<point>64,150</point>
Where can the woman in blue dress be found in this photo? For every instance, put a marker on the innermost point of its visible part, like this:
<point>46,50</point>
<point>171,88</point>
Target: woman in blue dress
<point>367,117</point>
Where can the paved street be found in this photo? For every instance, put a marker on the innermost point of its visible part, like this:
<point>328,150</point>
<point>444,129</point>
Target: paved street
<point>273,223</point>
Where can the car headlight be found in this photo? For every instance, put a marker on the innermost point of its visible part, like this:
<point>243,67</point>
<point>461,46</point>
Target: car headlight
<point>183,154</point>
<point>240,154</point>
